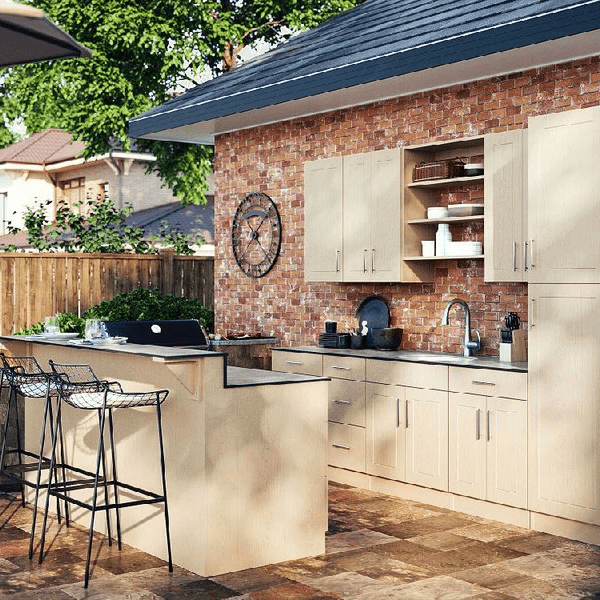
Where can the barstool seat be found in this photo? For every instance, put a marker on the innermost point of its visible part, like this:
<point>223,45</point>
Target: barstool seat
<point>25,377</point>
<point>103,397</point>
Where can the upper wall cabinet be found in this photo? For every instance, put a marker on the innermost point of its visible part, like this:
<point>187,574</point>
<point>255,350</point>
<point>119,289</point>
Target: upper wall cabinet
<point>506,206</point>
<point>564,197</point>
<point>323,220</point>
<point>352,217</point>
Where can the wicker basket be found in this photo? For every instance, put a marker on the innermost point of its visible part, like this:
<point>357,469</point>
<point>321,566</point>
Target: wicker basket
<point>439,169</point>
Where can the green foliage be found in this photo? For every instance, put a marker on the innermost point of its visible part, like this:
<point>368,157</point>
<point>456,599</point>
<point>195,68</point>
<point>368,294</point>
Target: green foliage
<point>143,304</point>
<point>68,322</point>
<point>144,53</point>
<point>98,227</point>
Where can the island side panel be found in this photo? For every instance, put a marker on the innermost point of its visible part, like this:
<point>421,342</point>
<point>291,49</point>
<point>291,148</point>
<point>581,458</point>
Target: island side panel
<point>266,457</point>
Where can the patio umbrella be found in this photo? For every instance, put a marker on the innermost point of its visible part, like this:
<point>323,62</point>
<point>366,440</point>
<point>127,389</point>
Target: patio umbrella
<point>27,35</point>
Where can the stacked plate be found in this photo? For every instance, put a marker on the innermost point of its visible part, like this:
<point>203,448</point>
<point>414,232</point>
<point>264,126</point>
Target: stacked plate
<point>464,248</point>
<point>334,340</point>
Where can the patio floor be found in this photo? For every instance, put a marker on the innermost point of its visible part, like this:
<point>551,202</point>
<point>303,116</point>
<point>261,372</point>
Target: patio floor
<point>378,547</point>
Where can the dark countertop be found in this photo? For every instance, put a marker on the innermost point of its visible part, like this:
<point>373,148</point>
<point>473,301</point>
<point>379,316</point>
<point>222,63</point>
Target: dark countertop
<point>233,376</point>
<point>433,358</point>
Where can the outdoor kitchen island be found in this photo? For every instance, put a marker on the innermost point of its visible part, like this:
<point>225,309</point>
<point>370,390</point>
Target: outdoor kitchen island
<point>245,452</point>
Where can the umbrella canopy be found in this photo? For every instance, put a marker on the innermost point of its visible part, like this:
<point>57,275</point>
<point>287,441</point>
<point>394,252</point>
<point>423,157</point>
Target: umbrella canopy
<point>27,35</point>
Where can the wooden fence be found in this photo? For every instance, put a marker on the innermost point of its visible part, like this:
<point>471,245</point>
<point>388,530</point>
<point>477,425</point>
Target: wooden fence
<point>33,286</point>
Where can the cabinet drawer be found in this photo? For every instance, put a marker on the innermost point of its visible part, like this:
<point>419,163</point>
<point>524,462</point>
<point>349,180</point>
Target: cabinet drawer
<point>408,374</point>
<point>344,367</point>
<point>488,382</point>
<point>304,363</point>
<point>347,402</point>
<point>346,447</point>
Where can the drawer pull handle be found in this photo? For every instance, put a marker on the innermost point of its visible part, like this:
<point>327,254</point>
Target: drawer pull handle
<point>476,382</point>
<point>340,446</point>
<point>342,402</point>
<point>340,368</point>
<point>293,362</point>
<point>478,424</point>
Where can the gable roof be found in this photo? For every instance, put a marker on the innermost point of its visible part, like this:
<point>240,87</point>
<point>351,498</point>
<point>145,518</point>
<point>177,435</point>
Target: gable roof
<point>380,49</point>
<point>46,147</point>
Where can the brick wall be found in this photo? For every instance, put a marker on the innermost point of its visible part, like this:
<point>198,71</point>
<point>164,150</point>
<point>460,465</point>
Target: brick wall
<point>271,158</point>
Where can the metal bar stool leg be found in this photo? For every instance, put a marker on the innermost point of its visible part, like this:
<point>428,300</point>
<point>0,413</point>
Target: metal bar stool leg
<point>111,429</point>
<point>164,481</point>
<point>103,464</point>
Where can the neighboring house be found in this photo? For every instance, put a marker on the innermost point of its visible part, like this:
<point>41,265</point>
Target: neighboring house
<point>47,166</point>
<point>330,126</point>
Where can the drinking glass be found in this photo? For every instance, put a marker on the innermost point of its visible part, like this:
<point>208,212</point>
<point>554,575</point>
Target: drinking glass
<point>92,329</point>
<point>51,325</point>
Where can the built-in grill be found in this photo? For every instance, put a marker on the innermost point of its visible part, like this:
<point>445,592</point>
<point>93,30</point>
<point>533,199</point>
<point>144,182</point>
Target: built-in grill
<point>183,333</point>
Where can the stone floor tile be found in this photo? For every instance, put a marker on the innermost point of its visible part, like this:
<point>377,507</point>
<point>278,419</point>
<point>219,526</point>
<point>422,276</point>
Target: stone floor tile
<point>353,586</point>
<point>493,577</point>
<point>423,526</point>
<point>308,568</point>
<point>490,532</point>
<point>532,542</point>
<point>541,590</point>
<point>251,580</point>
<point>441,587</point>
<point>292,591</point>
<point>352,540</point>
<point>443,540</point>
<point>576,553</point>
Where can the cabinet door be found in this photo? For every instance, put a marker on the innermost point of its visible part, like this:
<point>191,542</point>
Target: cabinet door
<point>371,229</point>
<point>467,445</point>
<point>357,217</point>
<point>323,220</point>
<point>385,224</point>
<point>564,204</point>
<point>427,438</point>
<point>506,433</point>
<point>564,401</point>
<point>505,206</point>
<point>386,431</point>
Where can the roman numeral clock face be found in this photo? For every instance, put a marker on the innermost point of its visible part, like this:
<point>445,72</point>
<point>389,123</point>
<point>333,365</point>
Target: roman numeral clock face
<point>256,234</point>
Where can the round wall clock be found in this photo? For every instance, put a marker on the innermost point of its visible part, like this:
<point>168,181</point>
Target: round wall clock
<point>256,234</point>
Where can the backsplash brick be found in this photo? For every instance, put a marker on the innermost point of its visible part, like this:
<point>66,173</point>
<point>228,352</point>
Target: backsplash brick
<point>271,158</point>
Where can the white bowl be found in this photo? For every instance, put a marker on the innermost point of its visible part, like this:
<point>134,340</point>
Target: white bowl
<point>437,212</point>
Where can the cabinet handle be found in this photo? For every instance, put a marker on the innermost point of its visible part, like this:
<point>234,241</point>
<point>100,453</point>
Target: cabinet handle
<point>514,256</point>
<point>525,250</point>
<point>489,434</point>
<point>342,401</point>
<point>340,446</point>
<point>477,382</point>
<point>478,424</point>
<point>398,412</point>
<point>373,260</point>
<point>365,261</point>
<point>337,261</point>
<point>531,319</point>
<point>532,261</point>
<point>406,413</point>
<point>294,362</point>
<point>340,368</point>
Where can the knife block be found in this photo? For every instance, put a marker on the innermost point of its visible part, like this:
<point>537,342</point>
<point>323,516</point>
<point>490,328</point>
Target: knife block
<point>514,352</point>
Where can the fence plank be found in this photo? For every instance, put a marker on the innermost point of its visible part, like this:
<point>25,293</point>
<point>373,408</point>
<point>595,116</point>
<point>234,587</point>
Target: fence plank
<point>36,285</point>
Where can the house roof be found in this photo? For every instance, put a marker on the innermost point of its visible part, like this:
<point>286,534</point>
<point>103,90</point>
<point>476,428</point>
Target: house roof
<point>380,49</point>
<point>46,147</point>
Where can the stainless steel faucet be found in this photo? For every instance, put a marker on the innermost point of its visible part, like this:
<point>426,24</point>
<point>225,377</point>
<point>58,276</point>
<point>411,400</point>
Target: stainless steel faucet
<point>469,345</point>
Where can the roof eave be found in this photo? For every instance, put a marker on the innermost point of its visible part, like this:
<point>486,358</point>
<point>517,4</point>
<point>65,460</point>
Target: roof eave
<point>204,130</point>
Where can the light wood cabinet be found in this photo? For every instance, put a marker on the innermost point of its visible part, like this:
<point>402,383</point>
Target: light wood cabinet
<point>488,448</point>
<point>505,188</point>
<point>563,199</point>
<point>407,427</point>
<point>352,217</point>
<point>564,401</point>
<point>418,196</point>
<point>323,220</point>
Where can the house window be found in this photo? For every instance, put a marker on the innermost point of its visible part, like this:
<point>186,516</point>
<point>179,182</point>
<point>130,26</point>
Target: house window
<point>3,208</point>
<point>72,192</point>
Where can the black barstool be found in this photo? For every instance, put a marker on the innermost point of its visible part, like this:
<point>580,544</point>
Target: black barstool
<point>26,378</point>
<point>103,397</point>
